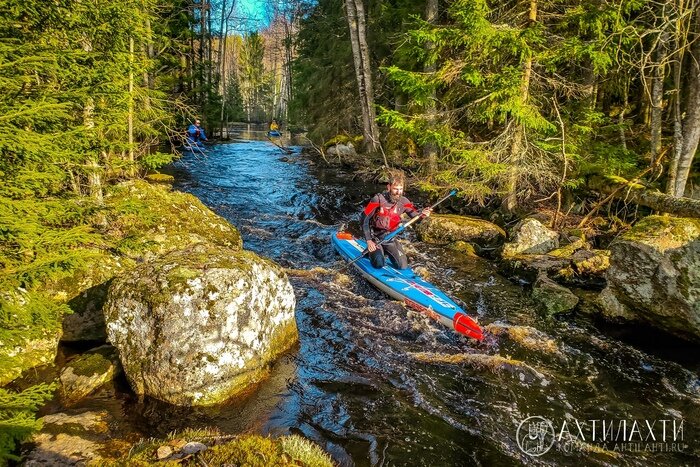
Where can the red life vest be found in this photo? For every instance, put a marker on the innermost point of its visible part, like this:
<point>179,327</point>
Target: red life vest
<point>388,215</point>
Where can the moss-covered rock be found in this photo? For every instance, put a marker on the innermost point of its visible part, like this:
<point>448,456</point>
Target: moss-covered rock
<point>159,178</point>
<point>654,275</point>
<point>209,447</point>
<point>591,263</point>
<point>447,228</point>
<point>87,372</point>
<point>149,220</point>
<point>531,237</point>
<point>142,222</point>
<point>198,326</point>
<point>552,296</point>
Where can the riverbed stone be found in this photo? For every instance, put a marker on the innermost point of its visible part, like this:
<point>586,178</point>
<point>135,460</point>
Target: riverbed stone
<point>448,228</point>
<point>531,237</point>
<point>654,275</point>
<point>69,439</point>
<point>552,296</point>
<point>200,325</point>
<point>87,372</point>
<point>527,268</point>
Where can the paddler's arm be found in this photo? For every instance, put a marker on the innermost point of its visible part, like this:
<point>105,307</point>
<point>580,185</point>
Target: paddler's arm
<point>412,212</point>
<point>367,214</point>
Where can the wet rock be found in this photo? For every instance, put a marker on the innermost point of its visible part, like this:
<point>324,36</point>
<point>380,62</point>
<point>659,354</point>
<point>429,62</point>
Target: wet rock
<point>554,297</point>
<point>464,248</point>
<point>447,228</point>
<point>495,363</point>
<point>198,326</point>
<point>69,439</point>
<point>342,150</point>
<point>654,275</point>
<point>528,267</point>
<point>87,372</point>
<point>528,337</point>
<point>531,237</point>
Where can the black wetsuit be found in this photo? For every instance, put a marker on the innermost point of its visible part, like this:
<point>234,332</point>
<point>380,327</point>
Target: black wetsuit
<point>381,217</point>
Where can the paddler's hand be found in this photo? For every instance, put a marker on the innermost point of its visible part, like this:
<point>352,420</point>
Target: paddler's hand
<point>371,246</point>
<point>426,212</point>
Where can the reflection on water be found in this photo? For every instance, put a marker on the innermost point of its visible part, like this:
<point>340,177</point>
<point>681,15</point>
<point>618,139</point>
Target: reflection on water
<point>378,384</point>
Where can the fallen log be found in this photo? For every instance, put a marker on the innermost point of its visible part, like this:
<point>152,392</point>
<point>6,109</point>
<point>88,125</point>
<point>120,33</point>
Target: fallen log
<point>634,192</point>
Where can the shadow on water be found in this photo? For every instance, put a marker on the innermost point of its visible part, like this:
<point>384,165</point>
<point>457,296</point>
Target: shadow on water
<point>378,384</point>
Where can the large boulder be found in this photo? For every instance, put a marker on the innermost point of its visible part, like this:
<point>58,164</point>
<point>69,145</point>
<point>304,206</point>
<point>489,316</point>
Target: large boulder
<point>654,275</point>
<point>530,237</point>
<point>143,221</point>
<point>200,325</point>
<point>448,228</point>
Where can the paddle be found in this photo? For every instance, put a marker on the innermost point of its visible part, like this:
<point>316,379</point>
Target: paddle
<point>399,230</point>
<point>286,150</point>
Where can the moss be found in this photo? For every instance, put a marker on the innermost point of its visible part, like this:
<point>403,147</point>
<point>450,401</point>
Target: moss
<point>664,231</point>
<point>94,363</point>
<point>491,362</point>
<point>159,178</point>
<point>245,450</point>
<point>528,337</point>
<point>568,250</point>
<point>343,139</point>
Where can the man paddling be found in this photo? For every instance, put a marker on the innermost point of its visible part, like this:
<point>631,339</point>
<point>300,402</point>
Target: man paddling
<point>382,215</point>
<point>195,133</point>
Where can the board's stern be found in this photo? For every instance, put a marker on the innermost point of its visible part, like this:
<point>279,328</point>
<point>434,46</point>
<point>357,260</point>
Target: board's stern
<point>463,324</point>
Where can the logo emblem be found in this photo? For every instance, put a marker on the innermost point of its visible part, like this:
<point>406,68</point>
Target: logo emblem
<point>535,436</point>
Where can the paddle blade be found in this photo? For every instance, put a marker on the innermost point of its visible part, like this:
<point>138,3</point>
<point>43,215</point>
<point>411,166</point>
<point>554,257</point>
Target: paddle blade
<point>463,324</point>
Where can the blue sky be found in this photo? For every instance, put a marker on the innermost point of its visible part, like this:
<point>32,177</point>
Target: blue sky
<point>252,14</point>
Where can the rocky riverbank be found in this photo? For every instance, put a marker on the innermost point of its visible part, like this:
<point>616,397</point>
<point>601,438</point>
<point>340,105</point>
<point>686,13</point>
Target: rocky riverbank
<point>168,296</point>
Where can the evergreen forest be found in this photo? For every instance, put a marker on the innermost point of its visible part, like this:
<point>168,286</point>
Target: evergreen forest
<point>518,104</point>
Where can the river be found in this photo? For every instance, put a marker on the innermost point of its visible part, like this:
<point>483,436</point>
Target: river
<point>377,384</point>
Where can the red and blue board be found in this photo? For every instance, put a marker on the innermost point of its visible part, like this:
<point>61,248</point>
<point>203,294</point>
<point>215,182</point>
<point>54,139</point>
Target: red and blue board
<point>404,285</point>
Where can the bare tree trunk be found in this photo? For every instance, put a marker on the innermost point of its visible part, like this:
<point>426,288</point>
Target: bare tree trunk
<point>657,95</point>
<point>625,106</point>
<point>93,165</point>
<point>636,193</point>
<point>210,67</point>
<point>430,150</point>
<point>360,52</point>
<point>202,29</point>
<point>683,159</point>
<point>518,144</point>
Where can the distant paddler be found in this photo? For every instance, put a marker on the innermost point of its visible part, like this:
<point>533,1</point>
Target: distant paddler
<point>274,128</point>
<point>195,134</point>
